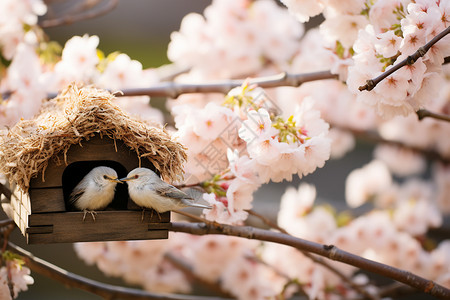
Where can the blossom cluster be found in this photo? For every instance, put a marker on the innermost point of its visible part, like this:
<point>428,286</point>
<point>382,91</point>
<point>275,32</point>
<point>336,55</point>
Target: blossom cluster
<point>228,260</point>
<point>14,277</point>
<point>253,35</point>
<point>29,78</point>
<point>379,34</point>
<point>252,145</point>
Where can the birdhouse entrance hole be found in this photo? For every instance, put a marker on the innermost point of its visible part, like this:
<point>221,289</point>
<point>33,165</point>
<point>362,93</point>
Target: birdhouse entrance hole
<point>76,171</point>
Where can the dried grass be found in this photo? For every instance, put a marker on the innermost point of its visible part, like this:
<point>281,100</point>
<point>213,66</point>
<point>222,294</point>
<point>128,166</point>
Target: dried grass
<point>74,116</point>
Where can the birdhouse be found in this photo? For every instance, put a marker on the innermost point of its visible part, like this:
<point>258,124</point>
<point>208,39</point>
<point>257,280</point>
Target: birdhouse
<point>46,157</point>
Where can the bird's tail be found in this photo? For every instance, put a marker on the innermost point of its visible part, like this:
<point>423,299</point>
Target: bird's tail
<point>190,203</point>
<point>200,205</point>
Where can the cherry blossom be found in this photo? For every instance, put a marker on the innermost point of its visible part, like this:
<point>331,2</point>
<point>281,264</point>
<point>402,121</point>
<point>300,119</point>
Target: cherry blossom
<point>361,184</point>
<point>20,279</point>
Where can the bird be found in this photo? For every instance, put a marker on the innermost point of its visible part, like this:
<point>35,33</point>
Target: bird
<point>148,190</point>
<point>95,191</point>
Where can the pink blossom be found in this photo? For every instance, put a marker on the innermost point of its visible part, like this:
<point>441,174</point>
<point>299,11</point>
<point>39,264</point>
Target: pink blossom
<point>209,254</point>
<point>257,126</point>
<point>382,14</point>
<point>212,121</point>
<point>400,161</point>
<point>123,72</point>
<point>266,151</point>
<point>4,289</point>
<point>415,216</point>
<point>79,60</point>
<point>316,153</point>
<point>162,279</point>
<point>342,28</point>
<point>304,9</point>
<point>341,143</point>
<point>365,182</point>
<point>388,43</point>
<point>242,167</point>
<point>20,277</point>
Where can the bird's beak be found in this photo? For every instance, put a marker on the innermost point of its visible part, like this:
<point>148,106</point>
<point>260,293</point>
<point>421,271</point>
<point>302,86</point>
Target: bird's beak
<point>114,179</point>
<point>126,179</point>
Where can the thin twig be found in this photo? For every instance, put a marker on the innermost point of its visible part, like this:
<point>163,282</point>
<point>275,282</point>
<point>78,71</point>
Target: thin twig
<point>396,289</point>
<point>372,83</point>
<point>7,222</point>
<point>423,113</point>
<point>316,259</point>
<point>106,291</point>
<point>68,19</point>
<point>329,251</point>
<point>187,269</point>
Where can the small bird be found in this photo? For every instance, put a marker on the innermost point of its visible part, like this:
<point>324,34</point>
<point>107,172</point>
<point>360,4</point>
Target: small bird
<point>147,190</point>
<point>95,191</point>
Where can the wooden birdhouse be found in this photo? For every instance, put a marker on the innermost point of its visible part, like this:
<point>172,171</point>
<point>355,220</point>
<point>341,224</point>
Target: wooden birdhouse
<point>45,158</point>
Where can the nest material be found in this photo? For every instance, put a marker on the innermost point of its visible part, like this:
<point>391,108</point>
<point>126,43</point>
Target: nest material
<point>76,115</point>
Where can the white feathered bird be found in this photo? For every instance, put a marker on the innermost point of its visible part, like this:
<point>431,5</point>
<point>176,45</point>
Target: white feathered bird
<point>147,190</point>
<point>95,191</point>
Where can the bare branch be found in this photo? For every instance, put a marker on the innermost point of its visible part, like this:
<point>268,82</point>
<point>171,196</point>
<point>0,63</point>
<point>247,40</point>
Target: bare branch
<point>423,113</point>
<point>328,251</point>
<point>372,83</point>
<point>106,291</point>
<point>317,260</point>
<point>174,89</point>
<point>68,18</point>
<point>396,289</point>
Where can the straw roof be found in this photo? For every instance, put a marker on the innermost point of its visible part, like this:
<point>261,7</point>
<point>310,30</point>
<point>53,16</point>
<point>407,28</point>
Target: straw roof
<point>76,115</point>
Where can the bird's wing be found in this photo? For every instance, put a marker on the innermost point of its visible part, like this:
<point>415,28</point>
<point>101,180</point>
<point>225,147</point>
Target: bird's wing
<point>78,191</point>
<point>172,192</point>
<point>75,195</point>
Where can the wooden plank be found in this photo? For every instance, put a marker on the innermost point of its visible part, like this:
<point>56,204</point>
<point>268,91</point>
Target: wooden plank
<point>49,238</point>
<point>95,149</point>
<point>69,227</point>
<point>47,200</point>
<point>102,218</point>
<point>40,229</point>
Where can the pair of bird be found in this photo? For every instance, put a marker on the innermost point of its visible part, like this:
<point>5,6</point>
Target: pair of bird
<point>96,190</point>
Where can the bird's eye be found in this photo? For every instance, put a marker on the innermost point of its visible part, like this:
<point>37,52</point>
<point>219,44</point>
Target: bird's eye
<point>105,177</point>
<point>136,176</point>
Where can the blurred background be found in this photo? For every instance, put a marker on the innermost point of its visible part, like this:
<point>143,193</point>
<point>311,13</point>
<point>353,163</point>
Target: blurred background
<point>141,29</point>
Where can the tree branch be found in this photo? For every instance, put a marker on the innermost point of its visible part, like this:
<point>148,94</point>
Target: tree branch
<point>316,259</point>
<point>70,18</point>
<point>106,291</point>
<point>173,89</point>
<point>372,83</point>
<point>328,251</point>
<point>423,113</point>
